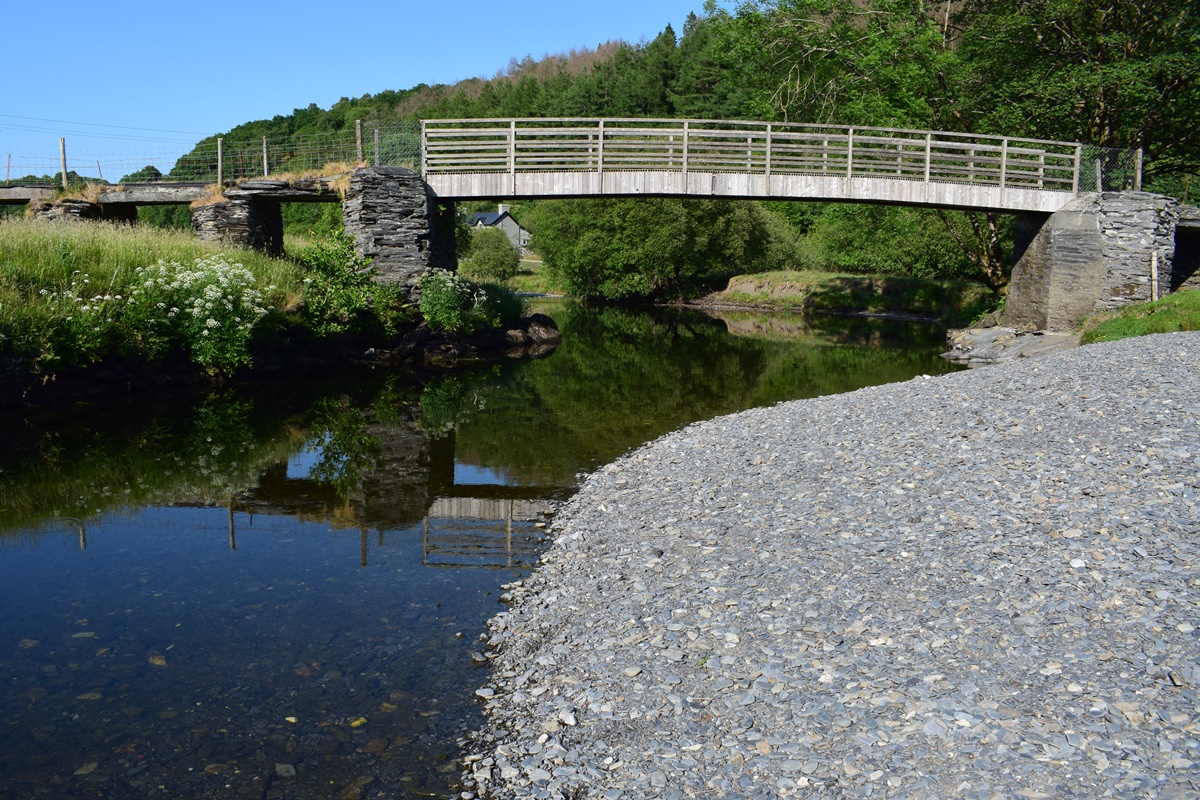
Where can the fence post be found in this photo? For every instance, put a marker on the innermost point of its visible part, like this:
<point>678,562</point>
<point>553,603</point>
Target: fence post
<point>1137,171</point>
<point>265,165</point>
<point>62,159</point>
<point>1075,174</point>
<point>358,139</point>
<point>850,154</point>
<point>220,161</point>
<point>1003,163</point>
<point>1099,176</point>
<point>378,157</point>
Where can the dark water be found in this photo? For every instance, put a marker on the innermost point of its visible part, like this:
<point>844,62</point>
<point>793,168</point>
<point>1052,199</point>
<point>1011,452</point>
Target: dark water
<point>279,591</point>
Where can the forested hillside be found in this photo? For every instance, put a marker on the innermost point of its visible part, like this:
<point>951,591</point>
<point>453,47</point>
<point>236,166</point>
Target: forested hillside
<point>1110,73</point>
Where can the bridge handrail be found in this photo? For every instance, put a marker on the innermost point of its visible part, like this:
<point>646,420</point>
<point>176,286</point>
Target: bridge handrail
<point>573,144</point>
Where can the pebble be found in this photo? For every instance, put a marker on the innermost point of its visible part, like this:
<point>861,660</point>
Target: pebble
<point>980,585</point>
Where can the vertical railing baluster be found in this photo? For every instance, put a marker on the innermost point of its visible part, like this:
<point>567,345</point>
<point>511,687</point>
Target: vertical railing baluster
<point>1075,172</point>
<point>768,164</point>
<point>850,154</point>
<point>1003,163</point>
<point>928,154</point>
<point>512,155</point>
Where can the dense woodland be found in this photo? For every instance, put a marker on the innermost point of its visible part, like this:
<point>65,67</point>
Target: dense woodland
<point>1112,73</point>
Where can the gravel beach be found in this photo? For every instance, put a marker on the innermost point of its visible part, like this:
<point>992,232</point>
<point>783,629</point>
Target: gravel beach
<point>981,585</point>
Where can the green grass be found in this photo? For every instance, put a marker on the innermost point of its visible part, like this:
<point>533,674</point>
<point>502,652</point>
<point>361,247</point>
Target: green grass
<point>953,302</point>
<point>42,262</point>
<point>533,278</point>
<point>1175,312</point>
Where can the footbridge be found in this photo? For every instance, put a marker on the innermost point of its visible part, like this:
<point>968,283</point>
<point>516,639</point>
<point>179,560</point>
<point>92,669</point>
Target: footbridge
<point>535,158</point>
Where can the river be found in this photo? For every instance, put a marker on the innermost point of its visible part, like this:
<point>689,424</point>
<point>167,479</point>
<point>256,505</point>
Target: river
<point>279,591</point>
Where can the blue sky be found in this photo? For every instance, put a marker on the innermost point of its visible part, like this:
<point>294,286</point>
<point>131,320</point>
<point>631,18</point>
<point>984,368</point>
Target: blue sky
<point>121,80</point>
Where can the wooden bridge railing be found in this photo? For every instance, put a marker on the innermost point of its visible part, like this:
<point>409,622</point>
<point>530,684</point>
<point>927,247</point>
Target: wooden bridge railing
<point>600,145</point>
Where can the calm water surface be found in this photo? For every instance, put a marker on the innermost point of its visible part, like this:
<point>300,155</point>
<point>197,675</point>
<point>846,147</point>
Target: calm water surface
<point>279,591</point>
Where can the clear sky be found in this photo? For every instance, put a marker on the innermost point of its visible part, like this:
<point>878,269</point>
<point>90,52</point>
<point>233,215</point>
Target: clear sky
<point>123,78</point>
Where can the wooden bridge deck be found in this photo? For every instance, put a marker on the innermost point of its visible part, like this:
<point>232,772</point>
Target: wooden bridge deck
<point>530,158</point>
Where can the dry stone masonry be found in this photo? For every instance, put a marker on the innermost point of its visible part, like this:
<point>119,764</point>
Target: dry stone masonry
<point>396,222</point>
<point>1100,252</point>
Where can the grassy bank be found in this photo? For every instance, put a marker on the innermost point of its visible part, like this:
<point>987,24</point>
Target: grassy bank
<point>952,302</point>
<point>73,294</point>
<point>1175,312</point>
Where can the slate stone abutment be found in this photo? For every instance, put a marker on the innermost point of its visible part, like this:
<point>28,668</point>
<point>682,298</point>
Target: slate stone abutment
<point>1099,252</point>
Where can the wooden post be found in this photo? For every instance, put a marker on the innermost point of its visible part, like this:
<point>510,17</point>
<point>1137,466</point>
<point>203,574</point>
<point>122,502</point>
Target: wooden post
<point>358,139</point>
<point>928,154</point>
<point>1099,176</point>
<point>266,171</point>
<point>99,171</point>
<point>424,149</point>
<point>220,161</point>
<point>1003,162</point>
<point>750,153</point>
<point>62,159</point>
<point>1041,169</point>
<point>1154,275</point>
<point>378,141</point>
<point>1075,172</point>
<point>512,156</point>
<point>686,140</point>
<point>825,156</point>
<point>1137,170</point>
<point>600,155</point>
<point>850,154</point>
<point>768,164</point>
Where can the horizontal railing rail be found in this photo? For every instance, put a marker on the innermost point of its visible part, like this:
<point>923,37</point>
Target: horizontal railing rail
<point>598,145</point>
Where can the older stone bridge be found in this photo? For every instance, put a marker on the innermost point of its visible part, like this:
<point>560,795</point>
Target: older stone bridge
<point>1089,238</point>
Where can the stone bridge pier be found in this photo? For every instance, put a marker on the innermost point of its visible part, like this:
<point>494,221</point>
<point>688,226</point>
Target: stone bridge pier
<point>1099,252</point>
<point>389,211</point>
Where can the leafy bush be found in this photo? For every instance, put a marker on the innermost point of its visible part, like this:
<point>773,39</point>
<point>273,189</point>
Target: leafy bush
<point>450,303</point>
<point>341,293</point>
<point>493,256</point>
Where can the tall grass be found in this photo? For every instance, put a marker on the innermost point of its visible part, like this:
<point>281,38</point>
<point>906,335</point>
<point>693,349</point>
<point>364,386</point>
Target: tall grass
<point>67,292</point>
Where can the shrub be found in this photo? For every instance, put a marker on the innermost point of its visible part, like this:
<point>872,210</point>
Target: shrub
<point>493,256</point>
<point>450,303</point>
<point>341,293</point>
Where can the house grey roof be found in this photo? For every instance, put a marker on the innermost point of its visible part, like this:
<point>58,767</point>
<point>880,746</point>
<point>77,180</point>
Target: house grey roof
<point>487,218</point>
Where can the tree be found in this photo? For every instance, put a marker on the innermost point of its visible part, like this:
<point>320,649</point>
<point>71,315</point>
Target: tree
<point>493,256</point>
<point>659,248</point>
<point>1111,73</point>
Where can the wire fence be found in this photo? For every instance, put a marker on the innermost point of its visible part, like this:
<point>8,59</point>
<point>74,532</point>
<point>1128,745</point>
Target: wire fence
<point>226,160</point>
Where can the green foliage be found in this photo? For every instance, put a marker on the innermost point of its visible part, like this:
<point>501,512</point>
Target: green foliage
<point>167,217</point>
<point>71,294</point>
<point>493,256</point>
<point>341,294</point>
<point>147,174</point>
<point>651,247</point>
<point>316,219</point>
<point>451,303</point>
<point>1179,311</point>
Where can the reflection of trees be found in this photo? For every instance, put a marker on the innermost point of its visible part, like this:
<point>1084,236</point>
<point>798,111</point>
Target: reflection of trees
<point>623,377</point>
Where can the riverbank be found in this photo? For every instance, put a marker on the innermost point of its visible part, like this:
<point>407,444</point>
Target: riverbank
<point>906,298</point>
<point>976,585</point>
